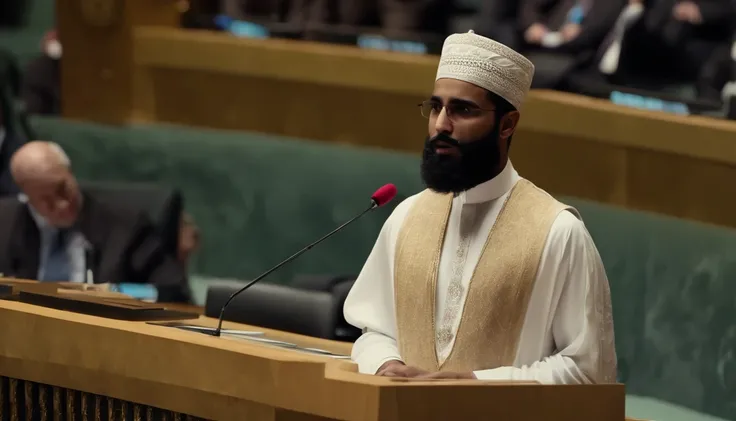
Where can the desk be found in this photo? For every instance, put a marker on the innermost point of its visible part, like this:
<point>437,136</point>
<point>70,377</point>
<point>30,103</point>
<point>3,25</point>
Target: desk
<point>189,308</point>
<point>64,363</point>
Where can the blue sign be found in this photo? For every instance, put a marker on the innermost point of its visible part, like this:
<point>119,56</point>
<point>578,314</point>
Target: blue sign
<point>377,42</point>
<point>649,103</point>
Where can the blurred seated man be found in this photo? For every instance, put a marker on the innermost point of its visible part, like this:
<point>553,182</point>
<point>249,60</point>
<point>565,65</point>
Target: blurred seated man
<point>49,234</point>
<point>717,78</point>
<point>563,35</point>
<point>672,40</point>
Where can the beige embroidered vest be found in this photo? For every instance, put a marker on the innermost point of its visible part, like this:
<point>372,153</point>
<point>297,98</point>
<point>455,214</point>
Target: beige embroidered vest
<point>499,289</point>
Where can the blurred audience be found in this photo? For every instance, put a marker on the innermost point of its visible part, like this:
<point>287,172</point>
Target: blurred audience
<point>561,36</point>
<point>56,231</point>
<point>42,78</point>
<point>717,78</point>
<point>587,46</point>
<point>672,40</point>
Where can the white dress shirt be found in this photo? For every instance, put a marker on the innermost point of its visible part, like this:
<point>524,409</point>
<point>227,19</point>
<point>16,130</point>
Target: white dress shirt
<point>567,335</point>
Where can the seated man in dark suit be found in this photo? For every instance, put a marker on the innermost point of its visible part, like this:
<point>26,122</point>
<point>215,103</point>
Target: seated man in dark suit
<point>672,41</point>
<point>57,231</point>
<point>561,36</point>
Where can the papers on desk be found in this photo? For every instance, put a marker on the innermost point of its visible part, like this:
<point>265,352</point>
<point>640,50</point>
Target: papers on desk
<point>254,336</point>
<point>289,345</point>
<point>209,330</point>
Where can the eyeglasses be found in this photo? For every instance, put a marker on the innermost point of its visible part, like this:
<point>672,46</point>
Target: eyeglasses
<point>454,110</point>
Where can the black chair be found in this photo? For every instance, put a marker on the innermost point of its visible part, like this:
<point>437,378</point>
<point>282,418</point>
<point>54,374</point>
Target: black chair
<point>163,205</point>
<point>339,286</point>
<point>319,282</point>
<point>272,306</point>
<point>344,330</point>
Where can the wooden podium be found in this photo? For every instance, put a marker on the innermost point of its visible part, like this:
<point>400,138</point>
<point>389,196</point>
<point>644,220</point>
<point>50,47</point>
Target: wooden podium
<point>58,365</point>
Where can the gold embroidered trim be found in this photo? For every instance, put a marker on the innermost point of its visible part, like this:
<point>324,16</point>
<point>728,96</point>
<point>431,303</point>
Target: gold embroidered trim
<point>488,335</point>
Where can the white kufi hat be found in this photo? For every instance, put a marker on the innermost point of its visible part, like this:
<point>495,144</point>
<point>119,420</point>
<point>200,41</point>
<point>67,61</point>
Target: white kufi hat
<point>488,64</point>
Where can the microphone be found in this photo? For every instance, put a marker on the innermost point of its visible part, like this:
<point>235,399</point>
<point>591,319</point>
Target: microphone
<point>382,196</point>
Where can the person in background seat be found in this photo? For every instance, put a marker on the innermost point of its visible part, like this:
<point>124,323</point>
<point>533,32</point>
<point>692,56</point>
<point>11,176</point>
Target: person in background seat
<point>57,231</point>
<point>717,78</point>
<point>561,36</point>
<point>672,40</point>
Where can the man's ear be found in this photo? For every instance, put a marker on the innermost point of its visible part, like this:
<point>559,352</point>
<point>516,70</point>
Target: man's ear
<point>508,124</point>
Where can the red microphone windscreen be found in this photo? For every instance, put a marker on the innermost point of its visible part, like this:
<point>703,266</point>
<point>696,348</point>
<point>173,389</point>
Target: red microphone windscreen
<point>384,194</point>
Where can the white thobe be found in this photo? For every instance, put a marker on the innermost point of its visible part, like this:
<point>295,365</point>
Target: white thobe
<point>567,335</point>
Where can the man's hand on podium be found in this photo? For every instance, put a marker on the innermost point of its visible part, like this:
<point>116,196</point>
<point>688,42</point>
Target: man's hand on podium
<point>399,369</point>
<point>449,375</point>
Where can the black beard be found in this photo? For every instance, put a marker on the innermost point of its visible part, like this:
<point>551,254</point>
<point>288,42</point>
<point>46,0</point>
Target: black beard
<point>478,162</point>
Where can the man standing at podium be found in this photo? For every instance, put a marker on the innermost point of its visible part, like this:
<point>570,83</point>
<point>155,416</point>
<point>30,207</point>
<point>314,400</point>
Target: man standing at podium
<point>483,275</point>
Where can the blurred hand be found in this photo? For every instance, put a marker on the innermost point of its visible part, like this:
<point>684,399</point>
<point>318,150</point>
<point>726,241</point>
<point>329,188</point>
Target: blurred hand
<point>570,31</point>
<point>399,369</point>
<point>687,11</point>
<point>535,33</point>
<point>50,45</point>
<point>449,375</point>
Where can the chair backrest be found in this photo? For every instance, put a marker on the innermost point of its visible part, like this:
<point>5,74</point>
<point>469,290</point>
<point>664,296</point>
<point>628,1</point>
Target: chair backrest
<point>163,205</point>
<point>344,331</point>
<point>319,282</point>
<point>339,286</point>
<point>312,313</point>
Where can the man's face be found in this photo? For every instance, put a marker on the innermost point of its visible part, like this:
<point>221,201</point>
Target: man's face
<point>55,197</point>
<point>462,111</point>
<point>463,148</point>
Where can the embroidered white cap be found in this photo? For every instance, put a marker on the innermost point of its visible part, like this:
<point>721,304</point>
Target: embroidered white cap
<point>488,64</point>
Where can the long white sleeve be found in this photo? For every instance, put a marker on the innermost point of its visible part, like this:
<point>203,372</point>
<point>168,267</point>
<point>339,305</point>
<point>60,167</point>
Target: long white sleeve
<point>582,324</point>
<point>370,304</point>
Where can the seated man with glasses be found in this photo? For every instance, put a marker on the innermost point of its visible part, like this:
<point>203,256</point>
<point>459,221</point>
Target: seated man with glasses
<point>483,275</point>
